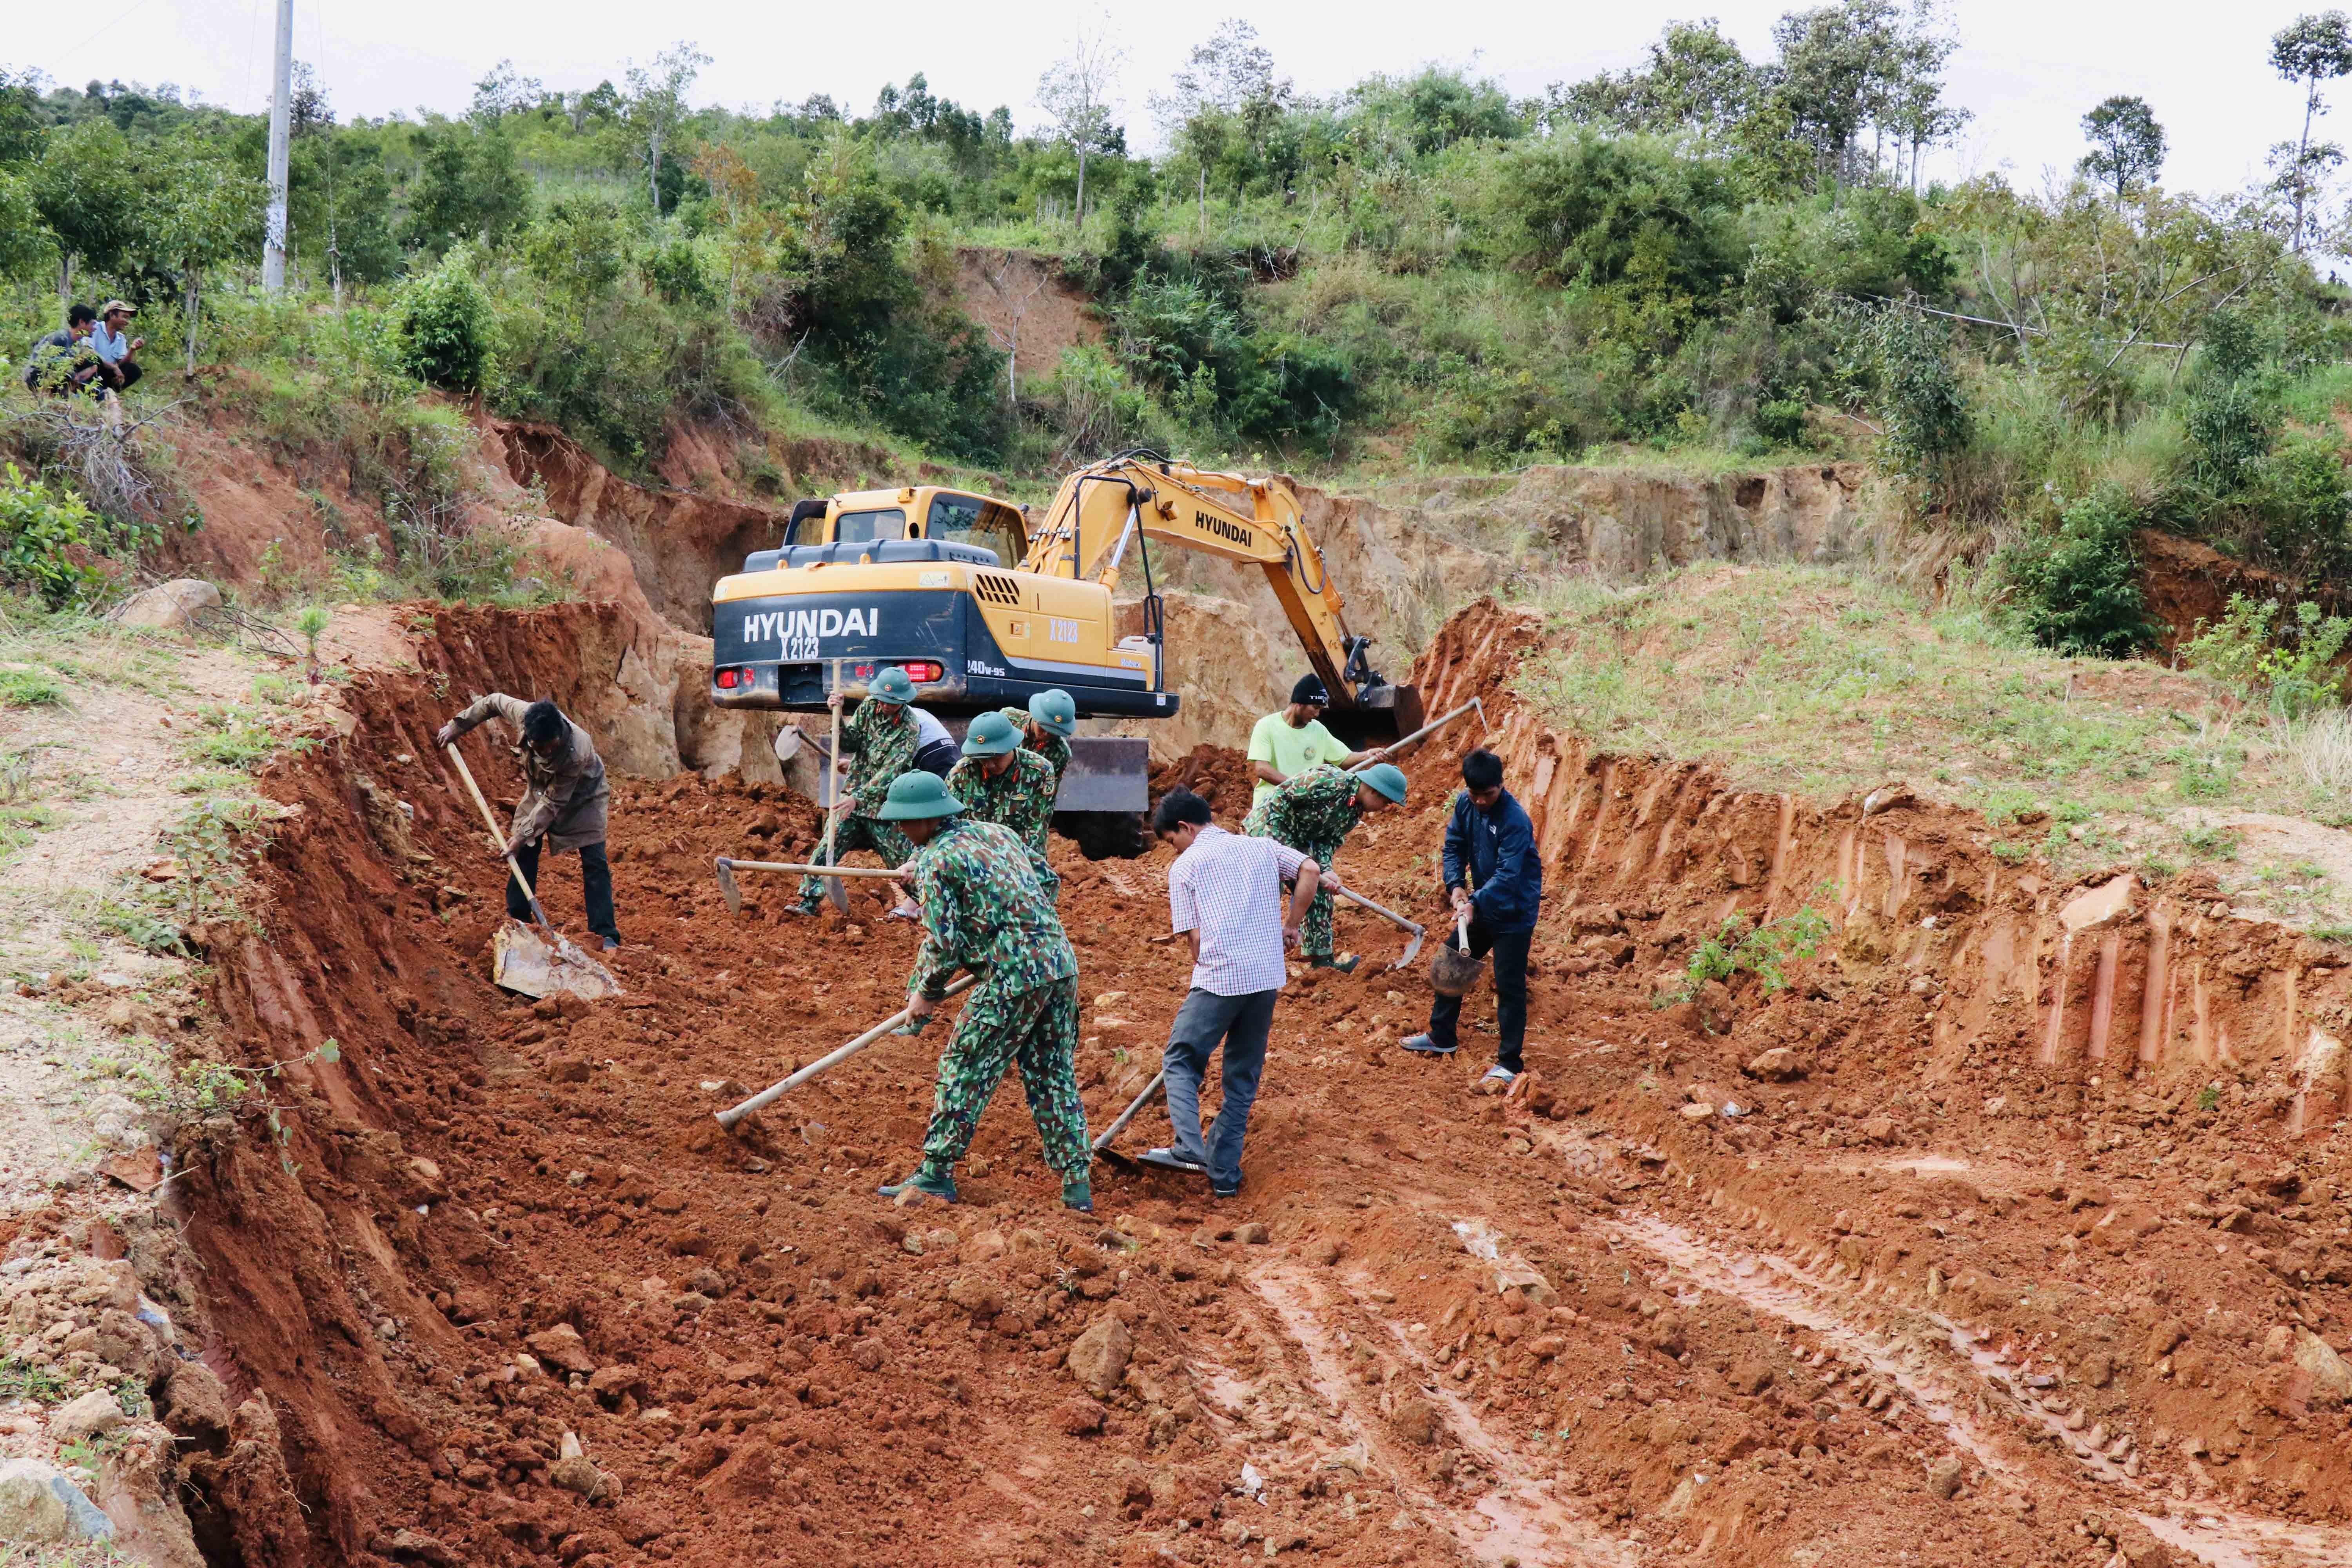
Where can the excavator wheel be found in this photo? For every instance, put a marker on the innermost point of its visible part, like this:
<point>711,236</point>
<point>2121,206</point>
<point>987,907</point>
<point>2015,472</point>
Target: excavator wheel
<point>1103,835</point>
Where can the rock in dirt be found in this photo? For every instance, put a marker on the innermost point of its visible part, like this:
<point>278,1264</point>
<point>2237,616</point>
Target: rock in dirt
<point>79,1420</point>
<point>2331,1377</point>
<point>567,1069</point>
<point>1253,1234</point>
<point>561,1346</point>
<point>977,1295</point>
<point>1944,1475</point>
<point>168,606</point>
<point>195,1404</point>
<point>1778,1065</point>
<point>579,1475</point>
<point>1080,1418</point>
<point>419,1547</point>
<point>1417,1421</point>
<point>1098,1357</point>
<point>30,1509</point>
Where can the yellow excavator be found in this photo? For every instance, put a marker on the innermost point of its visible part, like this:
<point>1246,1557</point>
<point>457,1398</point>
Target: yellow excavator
<point>917,578</point>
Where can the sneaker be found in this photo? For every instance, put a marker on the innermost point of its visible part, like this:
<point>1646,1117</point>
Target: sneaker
<point>612,944</point>
<point>1499,1071</point>
<point>1345,963</point>
<point>939,1186</point>
<point>1233,1191</point>
<point>907,911</point>
<point>1079,1193</point>
<point>1426,1045</point>
<point>1169,1159</point>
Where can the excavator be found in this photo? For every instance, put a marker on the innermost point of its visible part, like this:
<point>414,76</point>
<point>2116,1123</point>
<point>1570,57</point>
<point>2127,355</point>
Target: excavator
<point>918,577</point>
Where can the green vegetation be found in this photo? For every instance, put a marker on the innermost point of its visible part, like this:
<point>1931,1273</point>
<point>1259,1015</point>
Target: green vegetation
<point>1743,947</point>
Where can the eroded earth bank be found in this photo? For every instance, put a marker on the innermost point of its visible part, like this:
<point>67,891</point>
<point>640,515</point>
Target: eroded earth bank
<point>2014,1230</point>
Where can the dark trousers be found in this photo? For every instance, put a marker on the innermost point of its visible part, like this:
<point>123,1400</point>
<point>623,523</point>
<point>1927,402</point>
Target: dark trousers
<point>1241,1024</point>
<point>122,375</point>
<point>1511,951</point>
<point>937,757</point>
<point>596,885</point>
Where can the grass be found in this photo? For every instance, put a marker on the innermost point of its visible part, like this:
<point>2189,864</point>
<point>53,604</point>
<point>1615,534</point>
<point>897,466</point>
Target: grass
<point>31,687</point>
<point>1827,681</point>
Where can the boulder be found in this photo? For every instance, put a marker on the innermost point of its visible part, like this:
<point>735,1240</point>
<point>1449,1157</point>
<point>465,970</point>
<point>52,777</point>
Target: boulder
<point>2331,1376</point>
<point>1777,1065</point>
<point>1098,1357</point>
<point>38,1505</point>
<point>168,606</point>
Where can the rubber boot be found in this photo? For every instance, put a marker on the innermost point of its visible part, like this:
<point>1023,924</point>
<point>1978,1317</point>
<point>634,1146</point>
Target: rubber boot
<point>940,1185</point>
<point>1345,963</point>
<point>1079,1193</point>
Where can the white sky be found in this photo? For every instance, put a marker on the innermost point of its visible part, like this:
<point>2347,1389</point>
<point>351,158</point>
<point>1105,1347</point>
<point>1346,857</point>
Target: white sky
<point>2028,67</point>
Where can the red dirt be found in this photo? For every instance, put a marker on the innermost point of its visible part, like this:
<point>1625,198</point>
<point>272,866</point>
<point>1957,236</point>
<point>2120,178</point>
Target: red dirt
<point>1588,1322</point>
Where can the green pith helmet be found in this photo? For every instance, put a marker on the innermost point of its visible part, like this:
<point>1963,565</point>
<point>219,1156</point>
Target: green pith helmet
<point>991,735</point>
<point>917,795</point>
<point>893,685</point>
<point>1056,712</point>
<point>1386,779</point>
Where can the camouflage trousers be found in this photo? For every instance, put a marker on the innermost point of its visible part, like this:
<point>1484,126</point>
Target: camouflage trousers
<point>1035,1030</point>
<point>854,832</point>
<point>1314,932</point>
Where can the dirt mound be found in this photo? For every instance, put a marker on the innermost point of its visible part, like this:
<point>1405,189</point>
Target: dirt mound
<point>2189,585</point>
<point>2009,1231</point>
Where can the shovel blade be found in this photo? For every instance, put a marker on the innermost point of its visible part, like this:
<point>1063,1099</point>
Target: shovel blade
<point>1412,951</point>
<point>728,890</point>
<point>836,893</point>
<point>538,963</point>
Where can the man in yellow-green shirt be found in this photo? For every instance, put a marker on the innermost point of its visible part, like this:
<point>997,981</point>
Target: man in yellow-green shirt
<point>1294,739</point>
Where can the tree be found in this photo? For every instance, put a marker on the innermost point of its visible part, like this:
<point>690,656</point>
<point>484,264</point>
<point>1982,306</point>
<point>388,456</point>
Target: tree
<point>1697,79</point>
<point>1836,67</point>
<point>1075,91</point>
<point>2127,144</point>
<point>2316,49</point>
<point>198,212</point>
<point>504,90</point>
<point>657,103</point>
<point>1226,98</point>
<point>466,187</point>
<point>21,123</point>
<point>87,196</point>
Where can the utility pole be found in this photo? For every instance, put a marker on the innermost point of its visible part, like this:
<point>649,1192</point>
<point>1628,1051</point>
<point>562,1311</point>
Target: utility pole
<point>273,235</point>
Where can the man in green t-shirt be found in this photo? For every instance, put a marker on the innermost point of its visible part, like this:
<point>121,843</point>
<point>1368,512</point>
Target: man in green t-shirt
<point>1294,739</point>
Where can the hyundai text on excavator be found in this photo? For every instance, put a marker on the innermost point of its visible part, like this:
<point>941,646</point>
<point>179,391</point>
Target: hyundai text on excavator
<point>917,577</point>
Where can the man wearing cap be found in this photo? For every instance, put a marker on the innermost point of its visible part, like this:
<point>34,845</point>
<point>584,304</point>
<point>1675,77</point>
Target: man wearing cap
<point>878,742</point>
<point>1285,743</point>
<point>564,803</point>
<point>986,909</point>
<point>1313,813</point>
<point>1490,842</point>
<point>1047,725</point>
<point>1003,781</point>
<point>117,354</point>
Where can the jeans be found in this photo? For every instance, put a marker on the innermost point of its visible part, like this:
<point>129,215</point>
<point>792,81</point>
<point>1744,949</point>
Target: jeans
<point>596,885</point>
<point>1511,951</point>
<point>1241,1022</point>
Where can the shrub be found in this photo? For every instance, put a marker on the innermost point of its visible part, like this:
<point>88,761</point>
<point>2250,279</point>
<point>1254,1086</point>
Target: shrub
<point>49,539</point>
<point>2290,663</point>
<point>2078,584</point>
<point>445,331</point>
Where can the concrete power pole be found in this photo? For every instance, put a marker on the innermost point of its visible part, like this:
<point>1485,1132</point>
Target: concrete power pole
<point>273,238</point>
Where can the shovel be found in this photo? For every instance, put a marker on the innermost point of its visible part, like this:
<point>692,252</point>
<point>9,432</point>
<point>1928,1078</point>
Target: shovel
<point>537,963</point>
<point>1432,727</point>
<point>729,866</point>
<point>1413,948</point>
<point>836,891</point>
<point>831,1060</point>
<point>1451,972</point>
<point>1102,1149</point>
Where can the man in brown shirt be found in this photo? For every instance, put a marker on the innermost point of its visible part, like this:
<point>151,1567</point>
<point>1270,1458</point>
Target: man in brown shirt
<point>565,805</point>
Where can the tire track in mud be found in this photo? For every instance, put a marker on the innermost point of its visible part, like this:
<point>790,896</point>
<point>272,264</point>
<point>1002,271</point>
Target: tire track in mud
<point>1776,1288</point>
<point>1516,1519</point>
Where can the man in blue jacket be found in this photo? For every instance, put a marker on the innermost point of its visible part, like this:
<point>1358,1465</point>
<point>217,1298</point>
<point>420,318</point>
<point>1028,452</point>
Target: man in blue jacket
<point>1491,840</point>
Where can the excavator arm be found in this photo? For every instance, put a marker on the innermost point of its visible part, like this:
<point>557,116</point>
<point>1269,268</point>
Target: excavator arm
<point>1091,528</point>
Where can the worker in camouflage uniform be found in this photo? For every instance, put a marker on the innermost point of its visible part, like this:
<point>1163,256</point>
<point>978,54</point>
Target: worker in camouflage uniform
<point>1313,812</point>
<point>879,743</point>
<point>986,909</point>
<point>1001,781</point>
<point>1046,726</point>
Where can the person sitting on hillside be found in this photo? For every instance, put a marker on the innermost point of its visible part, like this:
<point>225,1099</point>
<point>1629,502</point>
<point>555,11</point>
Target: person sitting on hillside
<point>63,363</point>
<point>1292,740</point>
<point>117,354</point>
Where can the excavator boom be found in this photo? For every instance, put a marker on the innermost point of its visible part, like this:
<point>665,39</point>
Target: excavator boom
<point>1091,529</point>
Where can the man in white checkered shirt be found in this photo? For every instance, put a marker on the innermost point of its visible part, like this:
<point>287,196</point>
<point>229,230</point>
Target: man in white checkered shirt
<point>1225,893</point>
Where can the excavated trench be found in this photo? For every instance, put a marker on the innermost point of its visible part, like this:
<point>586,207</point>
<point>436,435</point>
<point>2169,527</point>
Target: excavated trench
<point>2013,1233</point>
